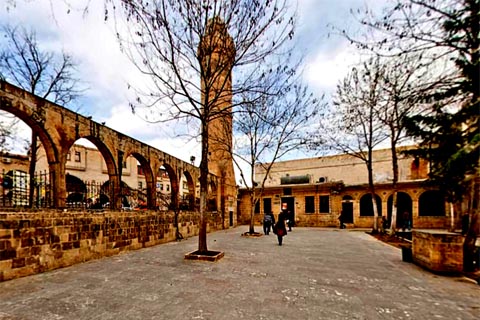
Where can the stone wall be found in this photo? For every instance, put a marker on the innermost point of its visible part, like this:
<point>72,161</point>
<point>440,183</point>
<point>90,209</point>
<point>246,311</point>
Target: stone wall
<point>37,242</point>
<point>438,251</point>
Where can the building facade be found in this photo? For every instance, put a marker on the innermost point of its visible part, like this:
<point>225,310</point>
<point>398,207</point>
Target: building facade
<point>317,190</point>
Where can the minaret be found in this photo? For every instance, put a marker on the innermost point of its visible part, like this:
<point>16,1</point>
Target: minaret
<point>217,52</point>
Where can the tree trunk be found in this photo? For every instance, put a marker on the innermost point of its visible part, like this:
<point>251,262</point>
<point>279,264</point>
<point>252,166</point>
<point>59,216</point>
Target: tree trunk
<point>393,221</point>
<point>372,193</point>
<point>251,229</point>
<point>452,216</point>
<point>473,228</point>
<point>202,232</point>
<point>178,234</point>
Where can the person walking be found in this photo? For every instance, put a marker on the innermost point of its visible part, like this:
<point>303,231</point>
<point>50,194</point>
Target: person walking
<point>279,229</point>
<point>406,221</point>
<point>289,220</point>
<point>341,219</point>
<point>268,222</point>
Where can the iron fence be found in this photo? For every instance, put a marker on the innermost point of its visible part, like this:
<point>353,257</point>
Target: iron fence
<point>15,193</point>
<point>15,189</point>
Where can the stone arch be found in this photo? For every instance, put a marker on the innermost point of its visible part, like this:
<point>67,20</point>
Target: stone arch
<point>34,118</point>
<point>189,202</point>
<point>27,115</point>
<point>110,190</point>
<point>174,185</point>
<point>404,203</point>
<point>431,203</point>
<point>150,179</point>
<point>366,205</point>
<point>58,128</point>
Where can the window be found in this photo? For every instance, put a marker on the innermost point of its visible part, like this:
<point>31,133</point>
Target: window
<point>124,164</point>
<point>69,156</point>
<point>78,157</point>
<point>161,186</point>
<point>168,187</point>
<point>287,191</point>
<point>140,185</point>
<point>310,204</point>
<point>324,204</point>
<point>257,207</point>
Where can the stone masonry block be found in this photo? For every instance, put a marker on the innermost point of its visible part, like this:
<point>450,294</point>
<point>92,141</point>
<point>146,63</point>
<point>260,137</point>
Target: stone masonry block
<point>5,234</point>
<point>5,244</point>
<point>18,263</point>
<point>6,264</point>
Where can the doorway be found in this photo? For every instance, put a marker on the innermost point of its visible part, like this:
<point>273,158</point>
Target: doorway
<point>290,201</point>
<point>404,204</point>
<point>347,209</point>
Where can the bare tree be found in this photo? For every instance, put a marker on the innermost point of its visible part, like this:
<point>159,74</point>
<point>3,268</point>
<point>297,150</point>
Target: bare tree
<point>354,127</point>
<point>404,88</point>
<point>25,64</point>
<point>271,123</point>
<point>447,35</point>
<point>188,50</point>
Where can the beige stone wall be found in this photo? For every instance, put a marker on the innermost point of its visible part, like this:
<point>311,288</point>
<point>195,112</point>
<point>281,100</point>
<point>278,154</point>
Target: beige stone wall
<point>346,178</point>
<point>438,251</point>
<point>346,168</point>
<point>36,242</point>
<point>330,219</point>
<point>13,162</point>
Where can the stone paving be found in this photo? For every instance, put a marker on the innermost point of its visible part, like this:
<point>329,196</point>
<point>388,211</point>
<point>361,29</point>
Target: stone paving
<point>317,274</point>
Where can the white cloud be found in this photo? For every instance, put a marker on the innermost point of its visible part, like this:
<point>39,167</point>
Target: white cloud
<point>327,68</point>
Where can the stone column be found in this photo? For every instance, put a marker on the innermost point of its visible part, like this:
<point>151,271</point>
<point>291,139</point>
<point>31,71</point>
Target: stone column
<point>58,183</point>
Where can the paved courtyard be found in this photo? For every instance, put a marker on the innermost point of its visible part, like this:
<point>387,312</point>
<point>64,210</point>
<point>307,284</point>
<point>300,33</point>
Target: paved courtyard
<point>316,274</point>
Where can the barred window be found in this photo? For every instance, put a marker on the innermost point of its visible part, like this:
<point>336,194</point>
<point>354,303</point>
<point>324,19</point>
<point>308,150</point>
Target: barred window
<point>324,204</point>
<point>309,204</point>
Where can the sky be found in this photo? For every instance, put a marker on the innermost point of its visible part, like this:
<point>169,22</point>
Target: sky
<point>105,71</point>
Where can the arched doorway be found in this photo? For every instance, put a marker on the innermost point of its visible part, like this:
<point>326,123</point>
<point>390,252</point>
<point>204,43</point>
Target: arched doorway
<point>404,204</point>
<point>347,209</point>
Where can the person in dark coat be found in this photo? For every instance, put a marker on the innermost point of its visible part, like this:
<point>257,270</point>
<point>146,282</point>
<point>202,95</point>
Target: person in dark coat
<point>341,218</point>
<point>406,221</point>
<point>289,220</point>
<point>280,228</point>
<point>268,221</point>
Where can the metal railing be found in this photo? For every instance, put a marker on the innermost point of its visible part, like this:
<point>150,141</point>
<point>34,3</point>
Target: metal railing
<point>15,189</point>
<point>15,193</point>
